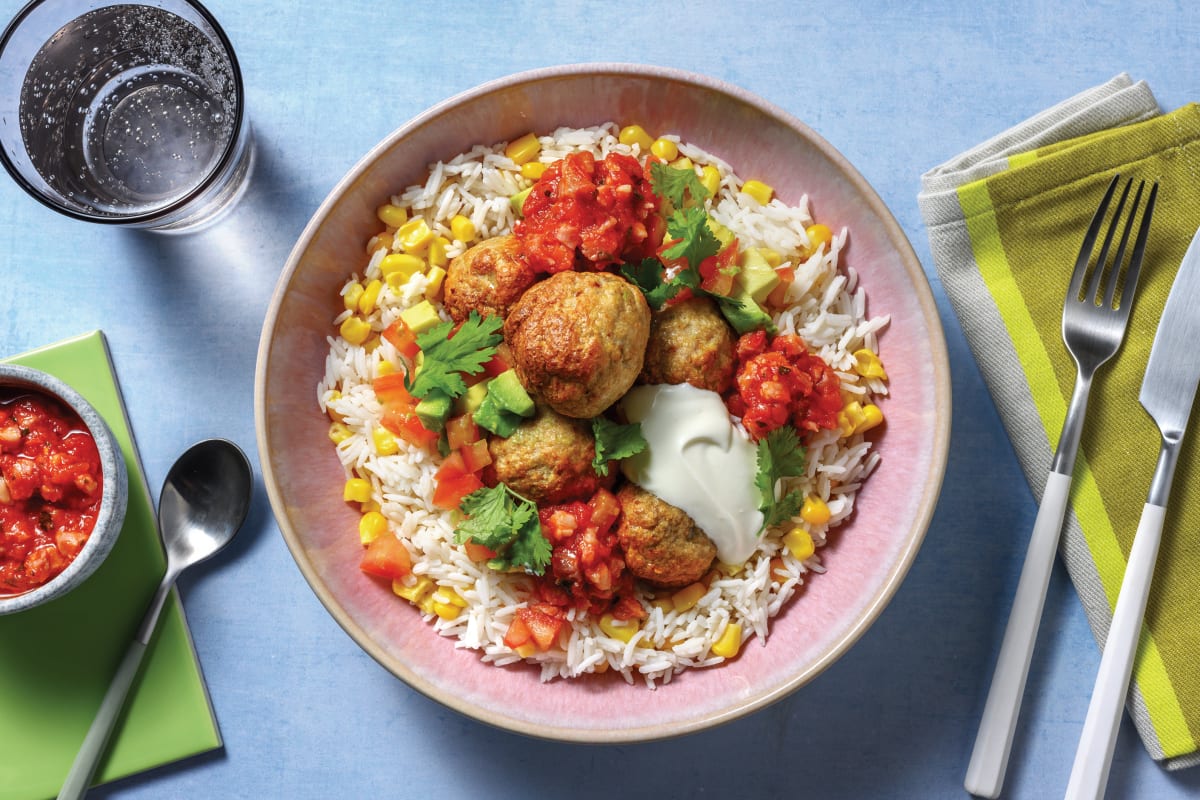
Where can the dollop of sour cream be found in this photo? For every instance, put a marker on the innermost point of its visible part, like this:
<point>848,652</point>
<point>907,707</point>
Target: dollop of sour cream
<point>697,461</point>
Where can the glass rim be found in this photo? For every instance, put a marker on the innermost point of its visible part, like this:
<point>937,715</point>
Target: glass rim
<point>231,147</point>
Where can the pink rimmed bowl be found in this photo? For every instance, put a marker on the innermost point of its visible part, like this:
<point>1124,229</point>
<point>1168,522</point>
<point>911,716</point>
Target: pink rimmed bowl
<point>867,558</point>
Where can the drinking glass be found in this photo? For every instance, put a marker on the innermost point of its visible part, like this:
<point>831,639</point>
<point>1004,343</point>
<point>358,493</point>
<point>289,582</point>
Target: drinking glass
<point>129,114</point>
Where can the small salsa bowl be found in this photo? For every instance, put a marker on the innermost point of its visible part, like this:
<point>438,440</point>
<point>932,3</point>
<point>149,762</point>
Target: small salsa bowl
<point>110,515</point>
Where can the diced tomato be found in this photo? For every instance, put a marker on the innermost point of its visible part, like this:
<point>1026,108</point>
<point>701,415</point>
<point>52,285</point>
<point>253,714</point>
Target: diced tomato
<point>391,391</point>
<point>543,622</point>
<point>518,632</point>
<point>605,508</point>
<point>454,482</point>
<point>402,338</point>
<point>629,607</point>
<point>386,557</point>
<point>495,366</point>
<point>477,552</point>
<point>476,455</point>
<point>778,296</point>
<point>403,422</point>
<point>460,431</point>
<point>716,272</point>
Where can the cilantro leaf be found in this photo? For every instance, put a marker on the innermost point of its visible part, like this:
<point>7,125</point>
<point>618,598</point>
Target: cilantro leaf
<point>673,184</point>
<point>696,239</point>
<point>649,277</point>
<point>448,355</point>
<point>780,455</point>
<point>506,523</point>
<point>614,442</point>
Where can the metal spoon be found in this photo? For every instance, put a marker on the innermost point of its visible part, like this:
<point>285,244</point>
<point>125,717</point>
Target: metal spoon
<point>203,503</point>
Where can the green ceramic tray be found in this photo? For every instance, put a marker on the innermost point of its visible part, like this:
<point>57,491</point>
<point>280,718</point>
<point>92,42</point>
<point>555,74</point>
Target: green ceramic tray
<point>56,660</point>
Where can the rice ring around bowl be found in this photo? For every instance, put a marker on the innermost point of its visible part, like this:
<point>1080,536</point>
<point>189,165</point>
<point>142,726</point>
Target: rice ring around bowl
<point>865,565</point>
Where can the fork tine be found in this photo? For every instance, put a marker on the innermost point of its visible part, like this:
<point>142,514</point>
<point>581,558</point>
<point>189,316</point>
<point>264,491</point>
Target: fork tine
<point>1089,239</point>
<point>1093,291</point>
<point>1139,247</point>
<point>1111,284</point>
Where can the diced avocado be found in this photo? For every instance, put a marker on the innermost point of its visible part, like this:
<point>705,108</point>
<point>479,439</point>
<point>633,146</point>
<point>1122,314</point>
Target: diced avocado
<point>421,317</point>
<point>510,395</point>
<point>743,312</point>
<point>723,234</point>
<point>757,277</point>
<point>433,410</point>
<point>492,417</point>
<point>518,200</point>
<point>469,402</point>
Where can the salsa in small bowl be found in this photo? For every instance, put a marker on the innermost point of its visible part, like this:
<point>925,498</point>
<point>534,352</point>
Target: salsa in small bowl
<point>63,488</point>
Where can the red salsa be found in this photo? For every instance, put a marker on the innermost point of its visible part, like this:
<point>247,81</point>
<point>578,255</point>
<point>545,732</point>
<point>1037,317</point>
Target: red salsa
<point>50,488</point>
<point>782,383</point>
<point>596,213</point>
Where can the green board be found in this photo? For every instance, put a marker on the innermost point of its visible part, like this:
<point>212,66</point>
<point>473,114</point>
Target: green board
<point>56,660</point>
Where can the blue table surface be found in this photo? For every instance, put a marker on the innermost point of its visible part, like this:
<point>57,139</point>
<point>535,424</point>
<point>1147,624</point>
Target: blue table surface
<point>897,87</point>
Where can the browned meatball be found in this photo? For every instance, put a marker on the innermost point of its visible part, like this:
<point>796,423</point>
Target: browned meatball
<point>578,340</point>
<point>548,459</point>
<point>487,278</point>
<point>690,342</point>
<point>662,544</point>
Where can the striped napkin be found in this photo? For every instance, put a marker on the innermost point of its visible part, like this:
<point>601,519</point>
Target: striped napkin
<point>1005,222</point>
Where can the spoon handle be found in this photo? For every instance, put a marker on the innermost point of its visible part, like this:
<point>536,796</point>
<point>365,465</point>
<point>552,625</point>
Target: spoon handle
<point>95,743</point>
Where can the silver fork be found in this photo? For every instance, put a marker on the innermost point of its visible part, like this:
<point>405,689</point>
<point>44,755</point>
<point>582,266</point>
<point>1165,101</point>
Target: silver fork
<point>1093,328</point>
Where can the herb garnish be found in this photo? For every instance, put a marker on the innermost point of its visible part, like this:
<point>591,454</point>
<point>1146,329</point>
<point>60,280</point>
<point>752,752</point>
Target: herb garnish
<point>780,455</point>
<point>507,524</point>
<point>673,184</point>
<point>450,354</point>
<point>615,441</point>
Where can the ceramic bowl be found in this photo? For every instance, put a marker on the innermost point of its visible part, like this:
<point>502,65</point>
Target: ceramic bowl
<point>111,516</point>
<point>869,555</point>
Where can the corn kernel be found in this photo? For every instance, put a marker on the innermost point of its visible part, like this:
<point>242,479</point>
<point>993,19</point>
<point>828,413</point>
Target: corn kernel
<point>446,611</point>
<point>758,190</point>
<point>433,286</point>
<point>872,418</point>
<point>772,257</point>
<point>414,236</point>
<point>385,442</point>
<point>426,604</point>
<point>355,330</point>
<point>799,543</point>
<point>437,252</point>
<point>867,364</point>
<point>370,296</point>
<point>357,490</point>
<point>635,134</point>
<point>371,526</point>
<point>730,642</point>
<point>851,417</point>
<point>384,368</point>
<point>814,511</point>
<point>663,604</point>
<point>368,506</point>
<point>461,228</point>
<point>683,162</point>
<point>710,179</point>
<point>665,149</point>
<point>449,596</point>
<point>818,235</point>
<point>381,241</point>
<point>339,432</point>
<point>414,592</point>
<point>329,401</point>
<point>686,598</point>
<point>619,629</point>
<point>523,149</point>
<point>352,295</point>
<point>400,267</point>
<point>526,650</point>
<point>533,170</point>
<point>391,215</point>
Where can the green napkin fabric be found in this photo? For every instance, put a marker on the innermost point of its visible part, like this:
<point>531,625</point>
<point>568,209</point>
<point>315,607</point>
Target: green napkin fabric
<point>1006,221</point>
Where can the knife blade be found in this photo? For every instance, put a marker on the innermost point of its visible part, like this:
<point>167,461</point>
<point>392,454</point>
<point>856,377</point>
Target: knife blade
<point>1168,393</point>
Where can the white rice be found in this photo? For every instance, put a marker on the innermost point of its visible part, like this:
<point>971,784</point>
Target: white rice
<point>827,309</point>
